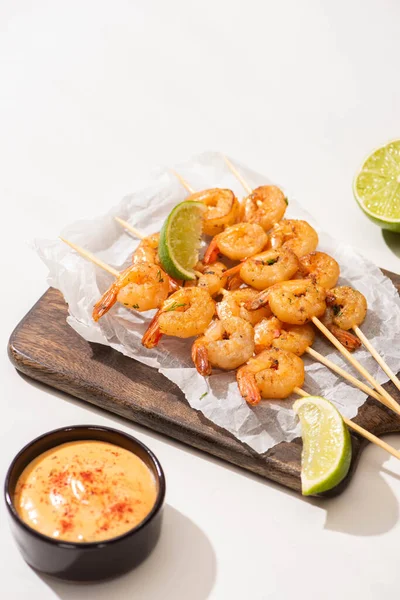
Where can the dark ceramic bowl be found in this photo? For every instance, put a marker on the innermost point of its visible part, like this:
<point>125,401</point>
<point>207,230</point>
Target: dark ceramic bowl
<point>85,561</point>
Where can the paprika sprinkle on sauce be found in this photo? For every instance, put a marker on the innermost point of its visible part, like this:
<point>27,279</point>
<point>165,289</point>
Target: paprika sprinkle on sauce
<point>85,491</point>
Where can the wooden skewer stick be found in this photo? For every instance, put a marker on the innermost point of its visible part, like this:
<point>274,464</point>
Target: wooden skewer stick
<point>360,430</point>
<point>183,182</point>
<point>130,228</point>
<point>237,175</point>
<point>354,362</point>
<point>377,357</point>
<point>350,378</point>
<point>91,257</point>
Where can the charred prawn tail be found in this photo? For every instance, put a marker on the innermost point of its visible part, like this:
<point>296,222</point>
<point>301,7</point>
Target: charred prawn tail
<point>258,301</point>
<point>200,358</point>
<point>107,300</point>
<point>248,386</point>
<point>347,339</point>
<point>153,334</point>
<point>212,252</point>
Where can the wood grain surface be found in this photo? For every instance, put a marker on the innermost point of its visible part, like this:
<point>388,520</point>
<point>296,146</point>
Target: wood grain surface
<point>45,348</point>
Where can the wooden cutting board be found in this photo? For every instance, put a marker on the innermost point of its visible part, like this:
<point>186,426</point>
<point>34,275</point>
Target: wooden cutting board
<point>45,348</point>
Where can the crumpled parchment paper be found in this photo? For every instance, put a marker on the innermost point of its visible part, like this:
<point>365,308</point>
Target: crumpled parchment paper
<point>217,397</point>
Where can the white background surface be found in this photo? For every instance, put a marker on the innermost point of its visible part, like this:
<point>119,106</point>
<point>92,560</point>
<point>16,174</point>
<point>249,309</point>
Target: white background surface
<point>94,94</point>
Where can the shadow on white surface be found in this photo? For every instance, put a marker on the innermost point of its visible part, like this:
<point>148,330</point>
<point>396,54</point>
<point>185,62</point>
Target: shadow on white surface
<point>392,241</point>
<point>368,507</point>
<point>182,566</point>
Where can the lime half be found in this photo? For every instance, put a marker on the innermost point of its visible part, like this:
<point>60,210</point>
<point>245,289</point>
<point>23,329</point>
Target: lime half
<point>326,455</point>
<point>377,186</point>
<point>180,239</point>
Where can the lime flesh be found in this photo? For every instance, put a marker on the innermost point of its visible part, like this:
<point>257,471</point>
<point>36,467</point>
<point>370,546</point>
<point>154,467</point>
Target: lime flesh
<point>180,239</point>
<point>326,454</point>
<point>377,186</point>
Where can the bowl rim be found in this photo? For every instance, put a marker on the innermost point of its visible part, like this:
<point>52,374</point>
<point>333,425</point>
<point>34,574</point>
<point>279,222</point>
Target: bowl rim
<point>86,545</point>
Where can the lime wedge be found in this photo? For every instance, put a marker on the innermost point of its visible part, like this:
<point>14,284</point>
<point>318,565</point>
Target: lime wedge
<point>180,239</point>
<point>377,186</point>
<point>326,455</point>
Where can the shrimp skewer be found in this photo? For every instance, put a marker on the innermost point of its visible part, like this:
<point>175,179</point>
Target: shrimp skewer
<point>212,278</point>
<point>345,308</point>
<point>339,346</point>
<point>265,269</point>
<point>223,208</point>
<point>294,302</point>
<point>233,304</point>
<point>225,344</point>
<point>264,205</point>
<point>147,250</point>
<point>321,268</point>
<point>292,338</point>
<point>348,309</point>
<point>186,313</point>
<point>299,339</point>
<point>298,301</point>
<point>277,374</point>
<point>237,242</point>
<point>294,234</point>
<point>141,287</point>
<point>271,374</point>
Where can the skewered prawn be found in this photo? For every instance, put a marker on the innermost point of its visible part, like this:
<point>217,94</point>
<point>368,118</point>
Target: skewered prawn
<point>272,374</point>
<point>233,305</point>
<point>147,250</point>
<point>346,308</point>
<point>237,242</point>
<point>266,269</point>
<point>225,344</point>
<point>294,302</point>
<point>295,235</point>
<point>320,267</point>
<point>223,209</point>
<point>212,278</point>
<point>265,206</point>
<point>141,286</point>
<point>292,338</point>
<point>349,306</point>
<point>186,313</point>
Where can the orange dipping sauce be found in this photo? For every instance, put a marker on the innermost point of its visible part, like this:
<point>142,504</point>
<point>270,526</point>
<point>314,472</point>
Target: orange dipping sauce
<point>85,491</point>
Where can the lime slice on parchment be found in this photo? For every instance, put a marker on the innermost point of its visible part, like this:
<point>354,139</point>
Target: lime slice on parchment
<point>326,454</point>
<point>377,186</point>
<point>180,239</point>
